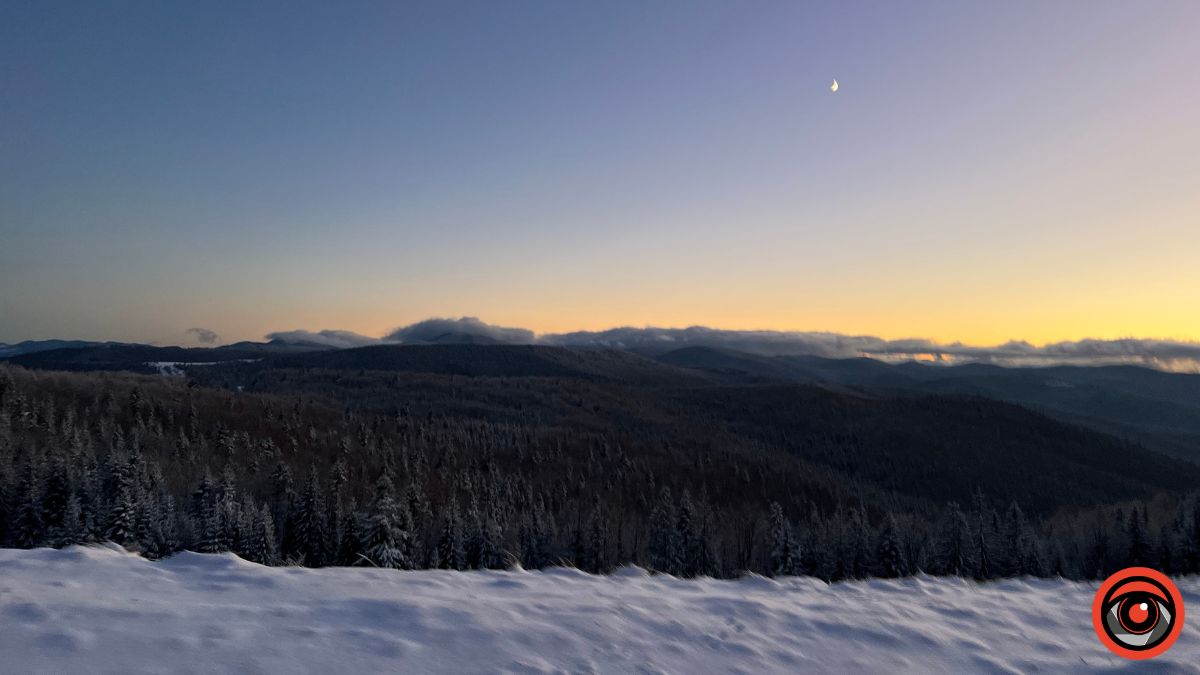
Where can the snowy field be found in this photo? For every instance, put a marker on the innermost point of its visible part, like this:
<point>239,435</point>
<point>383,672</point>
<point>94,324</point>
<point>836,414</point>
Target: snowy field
<point>100,610</point>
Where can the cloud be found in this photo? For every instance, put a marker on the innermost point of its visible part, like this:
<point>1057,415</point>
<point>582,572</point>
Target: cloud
<point>338,339</point>
<point>1162,354</point>
<point>764,342</point>
<point>438,330</point>
<point>1172,355</point>
<point>203,335</point>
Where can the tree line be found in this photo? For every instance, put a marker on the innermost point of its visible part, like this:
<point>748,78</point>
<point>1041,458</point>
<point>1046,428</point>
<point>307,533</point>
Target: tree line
<point>288,479</point>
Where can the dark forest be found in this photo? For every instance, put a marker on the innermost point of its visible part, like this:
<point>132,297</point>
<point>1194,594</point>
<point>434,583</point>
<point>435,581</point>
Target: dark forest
<point>494,458</point>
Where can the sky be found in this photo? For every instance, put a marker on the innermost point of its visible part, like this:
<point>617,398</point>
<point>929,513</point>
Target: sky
<point>986,171</point>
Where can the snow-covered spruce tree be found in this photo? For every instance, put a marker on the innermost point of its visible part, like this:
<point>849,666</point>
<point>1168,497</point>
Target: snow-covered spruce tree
<point>889,552</point>
<point>954,549</point>
<point>476,535</point>
<point>246,513</point>
<point>350,545</point>
<point>260,546</point>
<point>230,510</point>
<point>1138,553</point>
<point>536,537</point>
<point>209,521</point>
<point>124,505</point>
<point>5,496</point>
<point>695,552</point>
<point>282,496</point>
<point>662,546</point>
<point>530,542</point>
<point>28,529</point>
<point>387,541</point>
<point>784,555</point>
<point>73,530</point>
<point>306,539</point>
<point>1166,554</point>
<point>814,546</point>
<point>1099,561</point>
<point>421,512</point>
<point>161,539</point>
<point>491,553</point>
<point>595,557</point>
<point>1019,554</point>
<point>55,495</point>
<point>983,535</point>
<point>1192,538</point>
<point>859,549</point>
<point>451,546</point>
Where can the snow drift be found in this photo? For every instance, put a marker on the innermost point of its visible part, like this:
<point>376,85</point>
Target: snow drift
<point>102,610</point>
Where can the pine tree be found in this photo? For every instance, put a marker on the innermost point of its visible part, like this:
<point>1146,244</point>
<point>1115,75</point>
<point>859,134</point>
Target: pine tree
<point>662,548</point>
<point>783,548</point>
<point>451,547</point>
<point>596,556</point>
<point>282,496</point>
<point>1139,548</point>
<point>954,554</point>
<point>350,546</point>
<point>306,539</point>
<point>123,512</point>
<point>230,511</point>
<point>1009,558</point>
<point>422,521</point>
<point>55,496</point>
<point>490,554</point>
<point>858,540</point>
<point>73,530</point>
<point>696,557</point>
<point>161,537</point>
<point>984,517</point>
<point>209,518</point>
<point>1099,560</point>
<point>889,552</point>
<point>262,548</point>
<point>1169,539</point>
<point>387,541</point>
<point>536,533</point>
<point>28,529</point>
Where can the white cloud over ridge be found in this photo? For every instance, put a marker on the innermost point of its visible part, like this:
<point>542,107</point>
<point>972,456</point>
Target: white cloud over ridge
<point>435,330</point>
<point>337,339</point>
<point>1171,355</point>
<point>203,335</point>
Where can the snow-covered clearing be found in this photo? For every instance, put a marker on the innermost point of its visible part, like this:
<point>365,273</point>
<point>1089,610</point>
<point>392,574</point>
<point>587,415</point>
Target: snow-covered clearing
<point>101,610</point>
<point>176,368</point>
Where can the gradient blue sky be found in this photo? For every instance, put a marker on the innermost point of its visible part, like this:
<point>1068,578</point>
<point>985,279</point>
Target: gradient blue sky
<point>987,171</point>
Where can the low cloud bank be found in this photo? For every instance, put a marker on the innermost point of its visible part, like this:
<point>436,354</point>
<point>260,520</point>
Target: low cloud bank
<point>1161,354</point>
<point>203,335</point>
<point>1171,355</point>
<point>436,330</point>
<point>338,339</point>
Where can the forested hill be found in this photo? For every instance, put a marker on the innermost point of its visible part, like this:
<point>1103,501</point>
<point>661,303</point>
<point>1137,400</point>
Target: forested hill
<point>494,361</point>
<point>926,447</point>
<point>1160,410</point>
<point>1155,408</point>
<point>319,465</point>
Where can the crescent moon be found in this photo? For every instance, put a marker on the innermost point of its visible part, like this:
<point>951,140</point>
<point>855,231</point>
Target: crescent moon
<point>834,87</point>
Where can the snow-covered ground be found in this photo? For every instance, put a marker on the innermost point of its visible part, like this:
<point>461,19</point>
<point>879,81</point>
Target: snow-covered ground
<point>101,610</point>
<point>176,368</point>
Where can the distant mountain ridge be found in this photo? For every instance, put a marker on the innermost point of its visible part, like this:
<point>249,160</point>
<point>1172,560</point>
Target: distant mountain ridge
<point>34,346</point>
<point>1157,408</point>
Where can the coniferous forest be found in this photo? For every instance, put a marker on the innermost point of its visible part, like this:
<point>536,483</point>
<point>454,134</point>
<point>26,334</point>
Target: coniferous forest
<point>603,464</point>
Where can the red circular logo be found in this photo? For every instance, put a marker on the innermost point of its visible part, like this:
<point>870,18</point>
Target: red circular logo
<point>1138,613</point>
